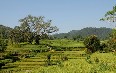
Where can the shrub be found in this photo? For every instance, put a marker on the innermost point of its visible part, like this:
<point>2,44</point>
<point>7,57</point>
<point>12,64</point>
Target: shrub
<point>64,58</point>
<point>92,43</point>
<point>13,56</point>
<point>3,44</point>
<point>104,48</point>
<point>88,59</point>
<point>48,61</point>
<point>112,44</point>
<point>1,64</point>
<point>59,49</point>
<point>59,63</point>
<point>112,40</point>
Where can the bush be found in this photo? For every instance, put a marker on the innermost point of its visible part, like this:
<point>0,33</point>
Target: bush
<point>103,47</point>
<point>92,43</point>
<point>58,49</point>
<point>1,64</point>
<point>5,61</point>
<point>64,58</point>
<point>112,44</point>
<point>112,40</point>
<point>48,61</point>
<point>3,44</point>
<point>13,56</point>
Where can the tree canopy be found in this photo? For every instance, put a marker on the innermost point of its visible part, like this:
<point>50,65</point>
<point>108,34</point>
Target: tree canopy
<point>32,27</point>
<point>110,16</point>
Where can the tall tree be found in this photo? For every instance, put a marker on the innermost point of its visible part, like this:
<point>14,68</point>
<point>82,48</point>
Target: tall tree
<point>110,16</point>
<point>32,27</point>
<point>37,27</point>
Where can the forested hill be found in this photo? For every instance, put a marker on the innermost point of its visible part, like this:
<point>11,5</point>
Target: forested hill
<point>4,31</point>
<point>102,33</point>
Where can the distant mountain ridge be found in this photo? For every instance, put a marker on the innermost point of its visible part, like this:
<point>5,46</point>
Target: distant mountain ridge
<point>102,33</point>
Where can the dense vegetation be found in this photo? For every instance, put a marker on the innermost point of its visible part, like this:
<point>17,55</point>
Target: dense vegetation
<point>102,33</point>
<point>29,48</point>
<point>4,32</point>
<point>92,43</point>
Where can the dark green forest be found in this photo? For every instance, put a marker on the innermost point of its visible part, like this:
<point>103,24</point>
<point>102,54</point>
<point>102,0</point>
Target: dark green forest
<point>4,31</point>
<point>103,33</point>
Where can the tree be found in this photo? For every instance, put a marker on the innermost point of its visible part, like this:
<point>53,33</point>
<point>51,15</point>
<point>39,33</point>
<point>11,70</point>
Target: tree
<point>31,28</point>
<point>38,26</point>
<point>92,43</point>
<point>110,16</point>
<point>15,36</point>
<point>3,44</point>
<point>4,32</point>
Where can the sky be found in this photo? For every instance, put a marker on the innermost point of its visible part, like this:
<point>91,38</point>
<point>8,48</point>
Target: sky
<point>67,15</point>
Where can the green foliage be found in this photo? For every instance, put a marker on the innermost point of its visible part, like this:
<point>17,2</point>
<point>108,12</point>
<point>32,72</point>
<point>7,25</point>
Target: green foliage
<point>13,56</point>
<point>5,61</point>
<point>49,59</point>
<point>39,58</point>
<point>79,35</point>
<point>110,15</point>
<point>78,38</point>
<point>38,26</point>
<point>3,44</point>
<point>31,28</point>
<point>112,41</point>
<point>63,44</point>
<point>103,63</point>
<point>92,43</point>
<point>100,63</point>
<point>64,58</point>
<point>4,32</point>
<point>71,66</point>
<point>1,64</point>
<point>103,47</point>
<point>37,38</point>
<point>15,36</point>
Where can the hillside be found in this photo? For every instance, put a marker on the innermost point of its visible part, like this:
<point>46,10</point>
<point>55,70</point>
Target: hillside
<point>102,33</point>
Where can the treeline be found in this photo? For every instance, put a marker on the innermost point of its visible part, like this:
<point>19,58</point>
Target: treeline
<point>4,31</point>
<point>31,29</point>
<point>102,33</point>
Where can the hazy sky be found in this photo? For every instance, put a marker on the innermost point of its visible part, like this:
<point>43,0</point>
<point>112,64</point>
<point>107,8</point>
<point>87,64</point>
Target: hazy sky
<point>66,14</point>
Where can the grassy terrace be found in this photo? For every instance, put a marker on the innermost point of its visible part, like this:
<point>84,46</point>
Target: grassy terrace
<point>78,61</point>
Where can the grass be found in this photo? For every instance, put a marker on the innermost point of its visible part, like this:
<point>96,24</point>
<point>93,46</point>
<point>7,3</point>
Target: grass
<point>105,65</point>
<point>63,43</point>
<point>78,61</point>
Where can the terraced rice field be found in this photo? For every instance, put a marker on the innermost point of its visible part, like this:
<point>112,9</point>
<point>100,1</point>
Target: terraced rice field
<point>78,61</point>
<point>40,60</point>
